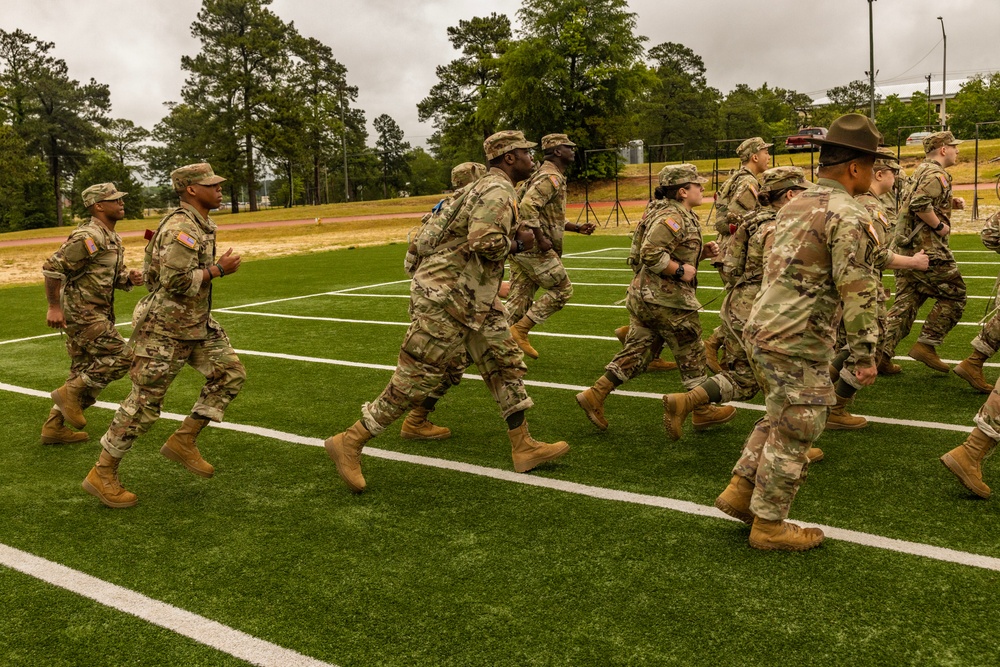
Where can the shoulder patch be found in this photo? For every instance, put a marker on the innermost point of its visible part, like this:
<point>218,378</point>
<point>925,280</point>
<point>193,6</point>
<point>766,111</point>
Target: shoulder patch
<point>555,180</point>
<point>753,190</point>
<point>871,232</point>
<point>186,240</point>
<point>943,179</point>
<point>672,224</point>
<point>91,246</point>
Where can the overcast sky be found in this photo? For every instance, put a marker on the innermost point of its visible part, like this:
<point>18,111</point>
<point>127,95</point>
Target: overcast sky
<point>391,47</point>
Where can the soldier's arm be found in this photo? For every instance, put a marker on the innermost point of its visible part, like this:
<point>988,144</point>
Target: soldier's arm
<point>53,290</point>
<point>180,273</point>
<point>927,191</point>
<point>655,251</point>
<point>854,275</point>
<point>69,260</point>
<point>990,233</point>
<point>539,193</point>
<point>744,199</point>
<point>489,225</point>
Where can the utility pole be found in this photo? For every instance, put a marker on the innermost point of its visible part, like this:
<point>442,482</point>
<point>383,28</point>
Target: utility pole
<point>871,58</point>
<point>944,76</point>
<point>343,146</point>
<point>928,119</point>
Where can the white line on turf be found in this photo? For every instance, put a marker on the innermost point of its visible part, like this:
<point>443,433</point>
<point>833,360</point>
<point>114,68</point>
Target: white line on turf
<point>615,495</point>
<point>203,630</point>
<point>583,253</point>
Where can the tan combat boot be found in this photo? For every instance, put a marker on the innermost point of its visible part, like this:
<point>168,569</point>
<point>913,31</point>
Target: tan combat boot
<point>520,333</point>
<point>54,432</point>
<point>735,499</point>
<point>658,365</point>
<point>676,408</point>
<point>706,416</point>
<point>181,447</point>
<point>416,426</point>
<point>885,365</point>
<point>971,370</point>
<point>928,356</point>
<point>712,345</point>
<point>839,419</point>
<point>102,482</point>
<point>965,461</point>
<point>345,451</point>
<point>529,453</point>
<point>592,401</point>
<point>783,536</point>
<point>69,397</point>
<point>815,455</point>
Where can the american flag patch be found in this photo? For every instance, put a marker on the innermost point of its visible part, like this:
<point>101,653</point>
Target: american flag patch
<point>672,224</point>
<point>871,232</point>
<point>91,246</point>
<point>555,181</point>
<point>753,190</point>
<point>186,240</point>
<point>943,179</point>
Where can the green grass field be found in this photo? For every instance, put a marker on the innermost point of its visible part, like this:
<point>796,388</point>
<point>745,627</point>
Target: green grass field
<point>610,556</point>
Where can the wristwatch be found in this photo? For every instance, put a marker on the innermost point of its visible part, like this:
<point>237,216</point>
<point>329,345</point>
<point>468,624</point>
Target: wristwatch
<point>939,227</point>
<point>679,273</point>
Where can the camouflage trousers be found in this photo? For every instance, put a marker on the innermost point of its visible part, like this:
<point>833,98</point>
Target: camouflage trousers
<point>850,365</point>
<point>799,393</point>
<point>988,340</point>
<point>737,382</point>
<point>453,372</point>
<point>650,327</point>
<point>97,355</point>
<point>942,282</point>
<point>433,344</point>
<point>528,273</point>
<point>157,361</point>
<point>988,417</point>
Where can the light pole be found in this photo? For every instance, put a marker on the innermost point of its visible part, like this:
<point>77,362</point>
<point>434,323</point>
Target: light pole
<point>871,58</point>
<point>944,75</point>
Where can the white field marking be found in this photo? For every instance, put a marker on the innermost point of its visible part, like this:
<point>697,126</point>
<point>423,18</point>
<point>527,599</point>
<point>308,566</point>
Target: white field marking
<point>716,273</point>
<point>710,287</point>
<point>355,289</point>
<point>614,495</point>
<point>593,252</point>
<point>979,263</point>
<point>202,630</point>
<point>310,296</point>
<point>21,340</point>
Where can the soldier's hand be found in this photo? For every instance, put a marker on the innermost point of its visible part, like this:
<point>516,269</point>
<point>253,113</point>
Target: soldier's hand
<point>921,261</point>
<point>710,250</point>
<point>504,289</point>
<point>135,276</point>
<point>55,318</point>
<point>230,263</point>
<point>586,228</point>
<point>866,374</point>
<point>958,203</point>
<point>526,237</point>
<point>544,244</point>
<point>690,271</point>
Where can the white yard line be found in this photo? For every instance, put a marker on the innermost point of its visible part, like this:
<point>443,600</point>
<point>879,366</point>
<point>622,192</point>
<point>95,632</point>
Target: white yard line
<point>614,495</point>
<point>200,629</point>
<point>573,255</point>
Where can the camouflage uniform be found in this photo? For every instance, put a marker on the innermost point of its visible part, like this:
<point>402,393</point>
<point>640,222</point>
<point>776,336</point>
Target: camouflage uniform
<point>930,188</point>
<point>91,266</point>
<point>736,200</point>
<point>663,309</point>
<point>542,206</point>
<point>988,340</point>
<point>174,327</point>
<point>454,305</point>
<point>820,269</point>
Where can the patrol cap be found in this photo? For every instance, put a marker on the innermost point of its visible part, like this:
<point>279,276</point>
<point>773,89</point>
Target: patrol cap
<point>467,172</point>
<point>504,142</point>
<point>939,139</point>
<point>101,192</point>
<point>746,150</point>
<point>553,140</point>
<point>680,174</point>
<point>853,131</point>
<point>194,174</point>
<point>887,160</point>
<point>782,178</point>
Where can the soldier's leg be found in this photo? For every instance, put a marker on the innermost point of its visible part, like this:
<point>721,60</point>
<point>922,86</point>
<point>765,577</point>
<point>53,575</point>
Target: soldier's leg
<point>737,382</point>
<point>109,361</point>
<point>416,425</point>
<point>550,275</point>
<point>681,332</point>
<point>984,346</point>
<point>224,374</point>
<point>900,317</point>
<point>640,341</point>
<point>965,461</point>
<point>949,291</point>
<point>522,289</point>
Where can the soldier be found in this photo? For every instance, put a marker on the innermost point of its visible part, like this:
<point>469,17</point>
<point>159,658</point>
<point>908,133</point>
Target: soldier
<point>924,224</point>
<point>965,461</point>
<point>454,302</point>
<point>986,344</point>
<point>667,246</point>
<point>173,326</point>
<point>820,268</point>
<point>416,425</point>
<point>80,283</point>
<point>735,200</point>
<point>843,366</point>
<point>543,210</point>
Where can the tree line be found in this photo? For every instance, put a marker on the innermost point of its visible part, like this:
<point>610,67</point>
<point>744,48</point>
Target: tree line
<point>260,97</point>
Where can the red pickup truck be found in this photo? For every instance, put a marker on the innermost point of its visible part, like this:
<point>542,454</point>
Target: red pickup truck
<point>801,140</point>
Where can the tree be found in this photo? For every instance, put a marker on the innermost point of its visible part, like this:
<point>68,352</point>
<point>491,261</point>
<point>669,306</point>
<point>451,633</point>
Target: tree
<point>855,97</point>
<point>235,77</point>
<point>124,140</point>
<point>428,175</point>
<point>894,113</point>
<point>681,107</point>
<point>977,101</point>
<point>26,200</point>
<point>392,151</point>
<point>454,103</point>
<point>103,167</point>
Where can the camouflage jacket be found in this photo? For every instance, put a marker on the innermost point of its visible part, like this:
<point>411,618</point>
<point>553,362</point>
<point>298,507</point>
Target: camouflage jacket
<point>465,280</point>
<point>930,188</point>
<point>672,232</point>
<point>91,265</point>
<point>179,303</point>
<point>882,224</point>
<point>819,271</point>
<point>990,233</point>
<point>737,197</point>
<point>543,204</point>
<point>746,254</point>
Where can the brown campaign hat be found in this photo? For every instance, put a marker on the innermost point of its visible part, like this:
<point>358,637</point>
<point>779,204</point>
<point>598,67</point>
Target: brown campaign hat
<point>194,174</point>
<point>852,131</point>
